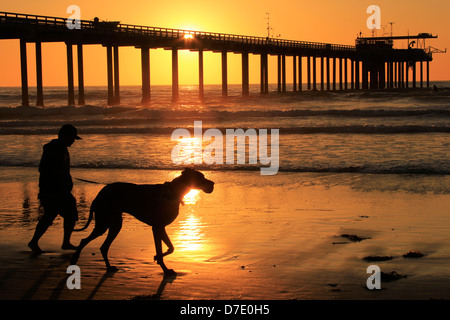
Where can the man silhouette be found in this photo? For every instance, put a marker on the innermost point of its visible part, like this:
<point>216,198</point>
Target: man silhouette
<point>55,187</point>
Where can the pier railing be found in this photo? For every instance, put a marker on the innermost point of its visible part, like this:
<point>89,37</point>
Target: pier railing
<point>166,33</point>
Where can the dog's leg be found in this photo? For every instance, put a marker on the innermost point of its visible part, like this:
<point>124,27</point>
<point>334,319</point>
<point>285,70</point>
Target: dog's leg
<point>114,229</point>
<point>158,235</point>
<point>168,243</point>
<point>97,232</point>
<point>166,240</point>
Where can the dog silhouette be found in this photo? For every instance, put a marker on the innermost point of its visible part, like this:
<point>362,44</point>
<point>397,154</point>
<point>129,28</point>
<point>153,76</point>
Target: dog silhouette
<point>157,205</point>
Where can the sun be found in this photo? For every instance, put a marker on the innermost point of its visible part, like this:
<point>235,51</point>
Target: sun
<point>192,196</point>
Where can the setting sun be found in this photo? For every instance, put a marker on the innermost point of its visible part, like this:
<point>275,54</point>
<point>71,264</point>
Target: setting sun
<point>192,197</point>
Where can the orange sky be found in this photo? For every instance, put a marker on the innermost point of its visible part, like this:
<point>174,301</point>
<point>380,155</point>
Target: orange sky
<point>328,21</point>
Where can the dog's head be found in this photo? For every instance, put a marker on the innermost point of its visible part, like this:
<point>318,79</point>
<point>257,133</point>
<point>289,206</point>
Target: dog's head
<point>196,180</point>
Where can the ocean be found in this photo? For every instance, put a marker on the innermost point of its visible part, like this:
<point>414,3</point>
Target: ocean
<point>398,132</point>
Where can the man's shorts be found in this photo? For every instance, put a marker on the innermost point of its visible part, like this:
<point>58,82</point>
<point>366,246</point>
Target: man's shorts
<point>64,204</point>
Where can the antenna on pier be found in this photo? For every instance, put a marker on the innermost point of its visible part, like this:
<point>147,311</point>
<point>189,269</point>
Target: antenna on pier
<point>391,23</point>
<point>269,28</point>
<point>268,24</point>
<point>435,50</point>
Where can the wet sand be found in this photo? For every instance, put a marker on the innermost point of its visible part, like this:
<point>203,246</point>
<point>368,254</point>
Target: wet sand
<point>254,237</point>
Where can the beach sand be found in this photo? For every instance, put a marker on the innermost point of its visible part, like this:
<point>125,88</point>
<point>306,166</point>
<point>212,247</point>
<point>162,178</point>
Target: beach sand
<point>255,237</point>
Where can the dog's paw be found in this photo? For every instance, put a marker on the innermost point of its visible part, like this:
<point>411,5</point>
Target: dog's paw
<point>111,269</point>
<point>74,259</point>
<point>170,272</point>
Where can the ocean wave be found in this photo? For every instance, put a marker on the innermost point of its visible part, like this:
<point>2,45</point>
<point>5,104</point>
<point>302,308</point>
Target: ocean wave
<point>366,169</point>
<point>367,129</point>
<point>158,130</point>
<point>96,115</point>
<point>363,169</point>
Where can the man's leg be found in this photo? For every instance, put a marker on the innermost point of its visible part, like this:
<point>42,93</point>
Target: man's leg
<point>70,215</point>
<point>69,225</point>
<point>42,226</point>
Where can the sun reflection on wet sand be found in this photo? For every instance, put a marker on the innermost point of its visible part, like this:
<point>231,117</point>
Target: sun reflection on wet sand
<point>190,234</point>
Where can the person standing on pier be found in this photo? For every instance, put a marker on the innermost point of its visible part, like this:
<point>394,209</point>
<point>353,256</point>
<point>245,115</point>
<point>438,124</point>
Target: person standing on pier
<point>55,188</point>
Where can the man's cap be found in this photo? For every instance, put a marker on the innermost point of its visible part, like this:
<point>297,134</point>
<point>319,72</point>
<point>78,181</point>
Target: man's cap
<point>69,131</point>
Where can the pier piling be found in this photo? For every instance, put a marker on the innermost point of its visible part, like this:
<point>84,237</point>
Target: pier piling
<point>334,73</point>
<point>175,84</point>
<point>110,74</point>
<point>294,73</point>
<point>264,89</point>
<point>328,74</point>
<point>81,100</point>
<point>308,71</point>
<point>201,92</point>
<point>24,72</point>
<point>39,88</point>
<point>224,73</point>
<point>116,76</point>
<point>322,79</point>
<point>245,74</point>
<point>70,82</point>
<point>314,74</point>
<point>300,75</point>
<point>283,73</point>
<point>145,70</point>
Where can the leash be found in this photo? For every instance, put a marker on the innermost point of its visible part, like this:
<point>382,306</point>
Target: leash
<point>88,181</point>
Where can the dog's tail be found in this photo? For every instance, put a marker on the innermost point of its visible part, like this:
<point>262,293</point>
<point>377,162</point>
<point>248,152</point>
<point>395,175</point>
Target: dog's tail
<point>91,215</point>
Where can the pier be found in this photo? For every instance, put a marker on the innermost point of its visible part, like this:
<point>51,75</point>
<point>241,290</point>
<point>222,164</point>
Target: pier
<point>374,63</point>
